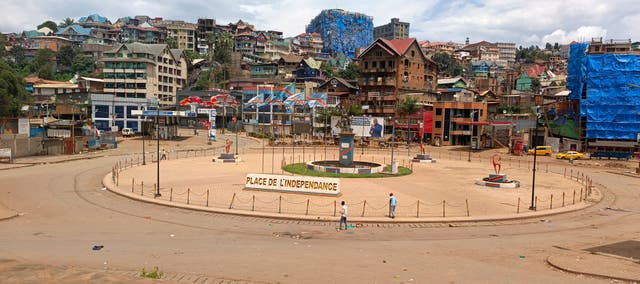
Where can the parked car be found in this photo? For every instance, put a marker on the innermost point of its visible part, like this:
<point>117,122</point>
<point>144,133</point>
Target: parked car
<point>541,151</point>
<point>570,155</point>
<point>127,132</point>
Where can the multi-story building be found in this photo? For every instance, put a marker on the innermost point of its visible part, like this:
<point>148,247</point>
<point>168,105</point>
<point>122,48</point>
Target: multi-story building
<point>458,123</point>
<point>139,70</point>
<point>94,21</point>
<point>391,70</point>
<point>507,52</point>
<point>206,28</point>
<point>76,33</point>
<point>182,32</point>
<point>483,51</point>
<point>342,31</point>
<point>438,47</point>
<point>307,44</point>
<point>144,33</point>
<point>393,30</point>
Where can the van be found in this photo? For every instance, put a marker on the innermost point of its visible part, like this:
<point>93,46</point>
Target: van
<point>127,132</point>
<point>541,151</point>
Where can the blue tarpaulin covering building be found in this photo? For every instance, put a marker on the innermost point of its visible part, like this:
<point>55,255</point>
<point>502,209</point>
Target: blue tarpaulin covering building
<point>608,88</point>
<point>342,31</point>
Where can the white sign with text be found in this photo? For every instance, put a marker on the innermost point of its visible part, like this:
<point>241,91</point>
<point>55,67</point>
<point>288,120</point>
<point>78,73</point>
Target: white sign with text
<point>295,184</point>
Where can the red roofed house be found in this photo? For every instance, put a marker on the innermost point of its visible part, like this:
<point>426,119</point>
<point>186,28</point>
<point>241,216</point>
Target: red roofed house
<point>393,69</point>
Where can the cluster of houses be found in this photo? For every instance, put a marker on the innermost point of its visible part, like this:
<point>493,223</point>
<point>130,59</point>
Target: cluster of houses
<point>143,64</point>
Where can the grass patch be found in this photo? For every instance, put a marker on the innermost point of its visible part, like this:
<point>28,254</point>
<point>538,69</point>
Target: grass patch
<point>155,274</point>
<point>301,169</point>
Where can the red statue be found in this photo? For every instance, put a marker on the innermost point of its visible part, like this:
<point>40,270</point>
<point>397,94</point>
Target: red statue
<point>496,163</point>
<point>227,145</point>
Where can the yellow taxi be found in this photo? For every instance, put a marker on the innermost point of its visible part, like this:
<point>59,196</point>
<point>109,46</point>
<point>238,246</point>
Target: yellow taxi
<point>541,151</point>
<point>570,155</point>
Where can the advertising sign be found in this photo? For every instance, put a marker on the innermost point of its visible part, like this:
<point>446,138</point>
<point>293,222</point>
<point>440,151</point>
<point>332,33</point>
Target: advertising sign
<point>23,126</point>
<point>295,184</point>
<point>362,126</point>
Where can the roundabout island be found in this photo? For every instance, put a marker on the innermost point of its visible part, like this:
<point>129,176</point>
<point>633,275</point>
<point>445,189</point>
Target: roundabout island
<point>447,191</point>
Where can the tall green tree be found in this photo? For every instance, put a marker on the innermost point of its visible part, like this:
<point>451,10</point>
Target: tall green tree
<point>408,106</point>
<point>49,24</point>
<point>66,22</point>
<point>83,65</point>
<point>327,70</point>
<point>223,47</point>
<point>12,92</point>
<point>17,52</point>
<point>172,42</point>
<point>65,57</point>
<point>42,64</point>
<point>447,64</point>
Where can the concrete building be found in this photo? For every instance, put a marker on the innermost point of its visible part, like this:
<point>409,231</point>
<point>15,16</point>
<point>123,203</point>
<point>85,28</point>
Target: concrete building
<point>392,70</point>
<point>109,110</point>
<point>136,70</point>
<point>458,123</point>
<point>484,51</point>
<point>393,30</point>
<point>307,44</point>
<point>507,52</point>
<point>206,28</point>
<point>182,32</point>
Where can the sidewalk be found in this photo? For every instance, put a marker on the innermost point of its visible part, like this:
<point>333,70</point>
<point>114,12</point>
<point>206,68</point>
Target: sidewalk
<point>598,265</point>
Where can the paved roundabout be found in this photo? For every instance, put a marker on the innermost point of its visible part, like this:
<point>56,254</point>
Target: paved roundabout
<point>64,211</point>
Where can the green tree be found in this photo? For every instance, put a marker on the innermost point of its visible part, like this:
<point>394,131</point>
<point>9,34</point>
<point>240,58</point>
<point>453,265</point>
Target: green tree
<point>535,85</point>
<point>408,106</point>
<point>49,24</point>
<point>350,73</point>
<point>17,52</point>
<point>327,70</point>
<point>66,22</point>
<point>355,110</point>
<point>65,57</point>
<point>83,65</point>
<point>3,44</point>
<point>12,92</point>
<point>42,63</point>
<point>223,47</point>
<point>172,41</point>
<point>447,64</point>
<point>203,82</point>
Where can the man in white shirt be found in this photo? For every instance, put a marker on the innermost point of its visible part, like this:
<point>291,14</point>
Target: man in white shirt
<point>343,215</point>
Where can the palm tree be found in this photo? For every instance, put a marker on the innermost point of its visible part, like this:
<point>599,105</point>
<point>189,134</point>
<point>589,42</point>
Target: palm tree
<point>408,106</point>
<point>66,22</point>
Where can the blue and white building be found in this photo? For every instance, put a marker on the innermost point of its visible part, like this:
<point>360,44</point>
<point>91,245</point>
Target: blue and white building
<point>112,113</point>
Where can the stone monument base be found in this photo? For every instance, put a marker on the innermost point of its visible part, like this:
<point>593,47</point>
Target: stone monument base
<point>226,158</point>
<point>498,181</point>
<point>422,158</point>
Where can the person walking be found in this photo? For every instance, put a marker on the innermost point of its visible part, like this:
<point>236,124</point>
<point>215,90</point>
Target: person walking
<point>343,216</point>
<point>164,155</point>
<point>392,206</point>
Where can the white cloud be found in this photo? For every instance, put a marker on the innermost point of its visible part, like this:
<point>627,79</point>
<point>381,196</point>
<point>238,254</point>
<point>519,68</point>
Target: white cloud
<point>584,33</point>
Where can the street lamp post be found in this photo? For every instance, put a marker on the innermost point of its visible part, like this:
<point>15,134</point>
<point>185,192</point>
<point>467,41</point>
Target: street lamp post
<point>471,135</point>
<point>158,149</point>
<point>535,155</point>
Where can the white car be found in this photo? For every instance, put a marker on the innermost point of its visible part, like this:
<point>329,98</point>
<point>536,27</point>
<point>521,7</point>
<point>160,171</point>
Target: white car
<point>127,132</point>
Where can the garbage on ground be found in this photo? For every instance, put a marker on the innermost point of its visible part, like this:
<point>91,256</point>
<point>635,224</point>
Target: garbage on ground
<point>96,247</point>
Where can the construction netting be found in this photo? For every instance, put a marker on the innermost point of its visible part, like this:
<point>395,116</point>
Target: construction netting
<point>608,87</point>
<point>342,31</point>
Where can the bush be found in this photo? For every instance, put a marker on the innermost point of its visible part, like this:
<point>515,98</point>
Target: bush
<point>155,274</point>
<point>301,169</point>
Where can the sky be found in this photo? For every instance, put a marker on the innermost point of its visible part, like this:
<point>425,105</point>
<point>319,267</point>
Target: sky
<point>521,22</point>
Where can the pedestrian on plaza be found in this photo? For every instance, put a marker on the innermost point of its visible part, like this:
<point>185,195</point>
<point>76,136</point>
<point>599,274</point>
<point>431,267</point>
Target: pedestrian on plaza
<point>392,206</point>
<point>164,155</point>
<point>343,215</point>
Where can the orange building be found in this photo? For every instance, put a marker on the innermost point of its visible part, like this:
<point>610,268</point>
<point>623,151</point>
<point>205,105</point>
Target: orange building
<point>458,123</point>
<point>55,43</point>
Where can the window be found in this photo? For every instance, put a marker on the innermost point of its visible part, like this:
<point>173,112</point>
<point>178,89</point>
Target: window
<point>406,63</point>
<point>382,64</point>
<point>438,124</point>
<point>366,65</point>
<point>413,53</point>
<point>438,111</point>
<point>374,64</point>
<point>391,64</point>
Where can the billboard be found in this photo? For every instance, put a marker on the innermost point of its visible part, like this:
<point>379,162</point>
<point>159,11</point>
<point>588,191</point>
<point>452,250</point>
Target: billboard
<point>363,126</point>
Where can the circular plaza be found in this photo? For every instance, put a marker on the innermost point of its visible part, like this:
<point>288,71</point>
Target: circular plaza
<point>443,191</point>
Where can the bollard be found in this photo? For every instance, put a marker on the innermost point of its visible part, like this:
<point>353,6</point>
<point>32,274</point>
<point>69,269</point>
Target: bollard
<point>154,190</point>
<point>467,202</point>
<point>253,203</point>
<point>280,204</point>
<point>132,183</point>
<point>232,198</point>
<point>574,196</point>
<point>363,206</point>
<point>518,163</point>
<point>547,170</point>
<point>188,194</point>
<point>171,194</point>
<point>142,188</point>
<point>571,174</point>
<point>565,173</point>
<point>518,208</point>
<point>580,194</point>
<point>335,205</point>
<point>535,204</point>
<point>307,211</point>
<point>551,202</point>
<point>207,198</point>
<point>418,209</point>
<point>563,199</point>
<point>443,210</point>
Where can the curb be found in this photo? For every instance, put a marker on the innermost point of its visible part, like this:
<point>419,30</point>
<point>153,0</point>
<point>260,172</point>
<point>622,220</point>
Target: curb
<point>557,266</point>
<point>106,182</point>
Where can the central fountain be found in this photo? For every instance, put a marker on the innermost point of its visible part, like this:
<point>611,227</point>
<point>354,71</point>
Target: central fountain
<point>345,164</point>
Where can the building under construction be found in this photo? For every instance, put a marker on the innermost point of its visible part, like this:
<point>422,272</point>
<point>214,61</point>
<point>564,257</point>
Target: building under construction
<point>342,31</point>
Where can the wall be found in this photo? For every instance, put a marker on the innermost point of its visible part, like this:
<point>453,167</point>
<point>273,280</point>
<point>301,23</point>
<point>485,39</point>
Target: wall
<point>21,145</point>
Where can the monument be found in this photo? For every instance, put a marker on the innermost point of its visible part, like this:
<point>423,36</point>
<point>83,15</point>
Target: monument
<point>498,180</point>
<point>227,157</point>
<point>346,141</point>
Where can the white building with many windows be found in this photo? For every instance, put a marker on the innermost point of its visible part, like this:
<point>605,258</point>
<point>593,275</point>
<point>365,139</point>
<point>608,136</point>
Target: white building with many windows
<point>137,70</point>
